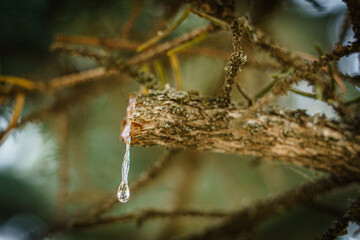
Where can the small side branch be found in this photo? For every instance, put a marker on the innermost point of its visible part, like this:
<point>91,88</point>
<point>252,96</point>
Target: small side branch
<point>236,60</point>
<point>244,94</point>
<point>147,214</point>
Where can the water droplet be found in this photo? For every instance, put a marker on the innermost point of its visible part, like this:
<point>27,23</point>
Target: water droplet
<point>123,193</point>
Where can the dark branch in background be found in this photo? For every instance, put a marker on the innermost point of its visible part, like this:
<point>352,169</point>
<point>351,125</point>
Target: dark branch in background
<point>339,227</point>
<point>236,221</point>
<point>147,214</point>
<point>185,120</point>
<point>112,62</point>
<point>244,94</point>
<point>258,212</point>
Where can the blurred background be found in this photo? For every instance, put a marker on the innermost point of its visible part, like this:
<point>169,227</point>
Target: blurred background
<point>29,156</point>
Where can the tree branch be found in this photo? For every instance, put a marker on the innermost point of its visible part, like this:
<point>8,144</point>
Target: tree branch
<point>185,120</point>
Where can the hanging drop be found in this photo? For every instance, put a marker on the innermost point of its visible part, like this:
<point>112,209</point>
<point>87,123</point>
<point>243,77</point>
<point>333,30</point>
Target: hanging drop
<point>123,193</point>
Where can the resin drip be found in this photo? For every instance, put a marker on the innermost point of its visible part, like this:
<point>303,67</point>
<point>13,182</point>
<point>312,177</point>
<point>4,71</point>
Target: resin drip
<point>123,193</point>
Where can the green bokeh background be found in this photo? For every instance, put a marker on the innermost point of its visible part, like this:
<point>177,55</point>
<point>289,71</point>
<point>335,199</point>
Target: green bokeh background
<point>221,181</point>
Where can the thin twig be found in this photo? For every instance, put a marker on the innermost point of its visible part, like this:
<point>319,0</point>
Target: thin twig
<point>162,34</point>
<point>108,43</point>
<point>214,20</point>
<point>22,82</point>
<point>72,80</point>
<point>270,206</point>
<point>188,44</point>
<point>162,49</point>
<point>16,113</point>
<point>159,69</point>
<point>237,59</point>
<point>141,216</point>
<point>302,93</point>
<point>243,93</point>
<point>58,83</point>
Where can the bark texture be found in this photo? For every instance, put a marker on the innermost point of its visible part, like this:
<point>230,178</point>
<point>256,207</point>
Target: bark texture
<point>178,119</point>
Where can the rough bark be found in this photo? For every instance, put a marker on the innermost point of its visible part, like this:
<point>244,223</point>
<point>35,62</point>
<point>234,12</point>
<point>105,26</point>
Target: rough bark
<point>178,119</point>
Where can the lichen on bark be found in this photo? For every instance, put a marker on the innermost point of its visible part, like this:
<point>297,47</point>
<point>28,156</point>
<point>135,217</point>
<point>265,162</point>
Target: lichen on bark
<point>179,119</point>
